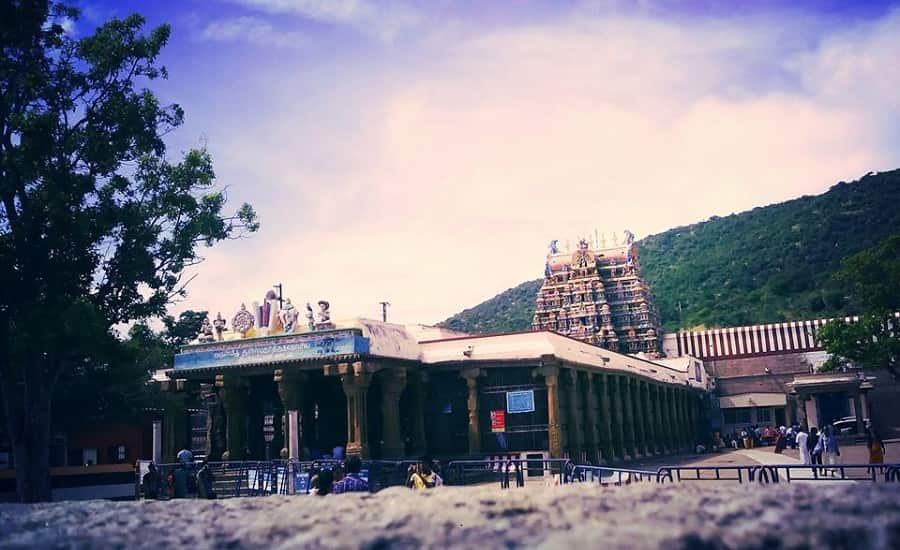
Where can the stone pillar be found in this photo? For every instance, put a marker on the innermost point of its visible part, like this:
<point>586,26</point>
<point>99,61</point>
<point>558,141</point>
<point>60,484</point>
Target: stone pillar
<point>157,441</point>
<point>554,430</point>
<point>393,380</point>
<point>694,416</point>
<point>356,383</point>
<point>858,411</point>
<point>789,415</point>
<point>233,393</point>
<point>471,376</point>
<point>669,416</point>
<point>864,403</point>
<point>650,419</point>
<point>606,427</point>
<point>590,419</point>
<point>628,416</point>
<point>615,395</point>
<point>215,422</point>
<point>640,430</point>
<point>679,416</point>
<point>175,435</point>
<point>293,388</point>
<point>661,442</point>
<point>575,435</point>
<point>418,385</point>
<point>801,410</point>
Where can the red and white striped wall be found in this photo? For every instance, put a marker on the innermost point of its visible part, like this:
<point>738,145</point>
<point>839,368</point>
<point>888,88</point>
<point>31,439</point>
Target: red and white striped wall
<point>747,341</point>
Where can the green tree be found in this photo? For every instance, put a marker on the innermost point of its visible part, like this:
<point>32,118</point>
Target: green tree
<point>113,385</point>
<point>873,342</point>
<point>96,225</point>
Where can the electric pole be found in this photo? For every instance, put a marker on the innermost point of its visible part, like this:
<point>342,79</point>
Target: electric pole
<point>280,297</point>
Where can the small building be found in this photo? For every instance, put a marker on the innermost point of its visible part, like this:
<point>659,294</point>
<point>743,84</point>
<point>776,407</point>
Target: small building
<point>768,375</point>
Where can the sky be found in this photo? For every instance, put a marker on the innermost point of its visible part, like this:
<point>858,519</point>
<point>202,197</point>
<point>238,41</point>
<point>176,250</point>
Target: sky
<point>425,153</point>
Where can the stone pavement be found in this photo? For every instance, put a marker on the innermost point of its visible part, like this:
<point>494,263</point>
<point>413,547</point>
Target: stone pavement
<point>675,516</point>
<point>768,457</point>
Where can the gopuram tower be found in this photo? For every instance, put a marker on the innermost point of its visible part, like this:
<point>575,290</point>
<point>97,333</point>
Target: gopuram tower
<point>596,294</point>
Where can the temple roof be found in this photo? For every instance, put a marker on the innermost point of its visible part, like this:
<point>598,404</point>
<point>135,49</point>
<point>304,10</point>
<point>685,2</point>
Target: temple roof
<point>421,343</point>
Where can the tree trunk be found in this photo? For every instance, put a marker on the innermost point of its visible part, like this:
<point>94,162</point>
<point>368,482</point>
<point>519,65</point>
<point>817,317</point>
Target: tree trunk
<point>28,422</point>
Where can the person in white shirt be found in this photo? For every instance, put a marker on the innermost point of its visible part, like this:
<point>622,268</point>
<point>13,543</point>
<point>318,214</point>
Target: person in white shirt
<point>802,437</point>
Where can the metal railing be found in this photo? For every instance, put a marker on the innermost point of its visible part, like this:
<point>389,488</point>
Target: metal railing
<point>262,478</point>
<point>268,477</point>
<point>605,475</point>
<point>778,473</point>
<point>506,470</point>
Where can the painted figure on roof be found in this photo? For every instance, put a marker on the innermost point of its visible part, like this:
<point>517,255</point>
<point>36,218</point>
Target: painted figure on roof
<point>219,325</point>
<point>289,315</point>
<point>310,317</point>
<point>206,331</point>
<point>324,313</point>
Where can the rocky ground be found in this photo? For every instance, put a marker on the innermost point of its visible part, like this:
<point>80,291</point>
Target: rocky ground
<point>689,516</point>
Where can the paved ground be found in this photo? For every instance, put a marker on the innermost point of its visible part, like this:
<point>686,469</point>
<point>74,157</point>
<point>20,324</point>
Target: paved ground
<point>685,516</point>
<point>852,454</point>
<point>859,454</point>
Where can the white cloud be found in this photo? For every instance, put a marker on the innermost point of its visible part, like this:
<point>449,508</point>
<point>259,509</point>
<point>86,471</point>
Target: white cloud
<point>435,180</point>
<point>251,30</point>
<point>384,20</point>
<point>857,67</point>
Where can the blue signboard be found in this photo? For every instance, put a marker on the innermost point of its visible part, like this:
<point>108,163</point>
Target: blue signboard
<point>520,401</point>
<point>265,350</point>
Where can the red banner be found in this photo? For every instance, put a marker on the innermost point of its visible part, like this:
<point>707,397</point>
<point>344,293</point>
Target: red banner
<point>498,421</point>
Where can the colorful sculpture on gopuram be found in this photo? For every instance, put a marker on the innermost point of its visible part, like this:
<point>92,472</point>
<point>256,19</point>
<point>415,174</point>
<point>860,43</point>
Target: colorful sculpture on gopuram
<point>596,294</point>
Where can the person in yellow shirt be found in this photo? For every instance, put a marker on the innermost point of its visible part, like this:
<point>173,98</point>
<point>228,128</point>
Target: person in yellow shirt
<point>423,476</point>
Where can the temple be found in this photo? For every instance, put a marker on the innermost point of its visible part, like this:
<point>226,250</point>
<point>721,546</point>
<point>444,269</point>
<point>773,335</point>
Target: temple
<point>596,294</point>
<point>270,385</point>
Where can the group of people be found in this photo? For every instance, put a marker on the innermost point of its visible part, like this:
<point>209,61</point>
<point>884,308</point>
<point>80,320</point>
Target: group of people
<point>752,437</point>
<point>814,445</point>
<point>347,478</point>
<point>182,482</point>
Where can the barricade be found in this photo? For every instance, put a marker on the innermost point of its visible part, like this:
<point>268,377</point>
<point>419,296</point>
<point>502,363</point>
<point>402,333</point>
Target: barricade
<point>605,475</point>
<point>261,478</point>
<point>506,470</point>
<point>781,473</point>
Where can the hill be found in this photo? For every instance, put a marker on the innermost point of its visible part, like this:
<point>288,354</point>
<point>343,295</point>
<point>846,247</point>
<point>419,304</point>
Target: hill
<point>769,264</point>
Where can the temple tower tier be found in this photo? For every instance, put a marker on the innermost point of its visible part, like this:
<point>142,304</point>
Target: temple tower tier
<point>596,294</point>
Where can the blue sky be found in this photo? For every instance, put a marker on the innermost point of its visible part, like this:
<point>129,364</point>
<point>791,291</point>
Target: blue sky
<point>426,152</point>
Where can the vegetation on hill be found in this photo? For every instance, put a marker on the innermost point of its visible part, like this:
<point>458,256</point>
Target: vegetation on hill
<point>769,264</point>
<point>873,342</point>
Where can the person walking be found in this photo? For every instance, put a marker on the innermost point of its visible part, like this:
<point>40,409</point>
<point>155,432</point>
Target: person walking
<point>831,448</point>
<point>815,446</point>
<point>876,449</point>
<point>802,440</point>
<point>780,442</point>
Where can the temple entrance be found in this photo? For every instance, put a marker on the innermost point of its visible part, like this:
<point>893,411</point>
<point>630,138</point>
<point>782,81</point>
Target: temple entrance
<point>832,406</point>
<point>446,415</point>
<point>325,418</point>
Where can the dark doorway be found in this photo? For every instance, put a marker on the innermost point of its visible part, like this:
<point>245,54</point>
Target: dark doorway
<point>832,406</point>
